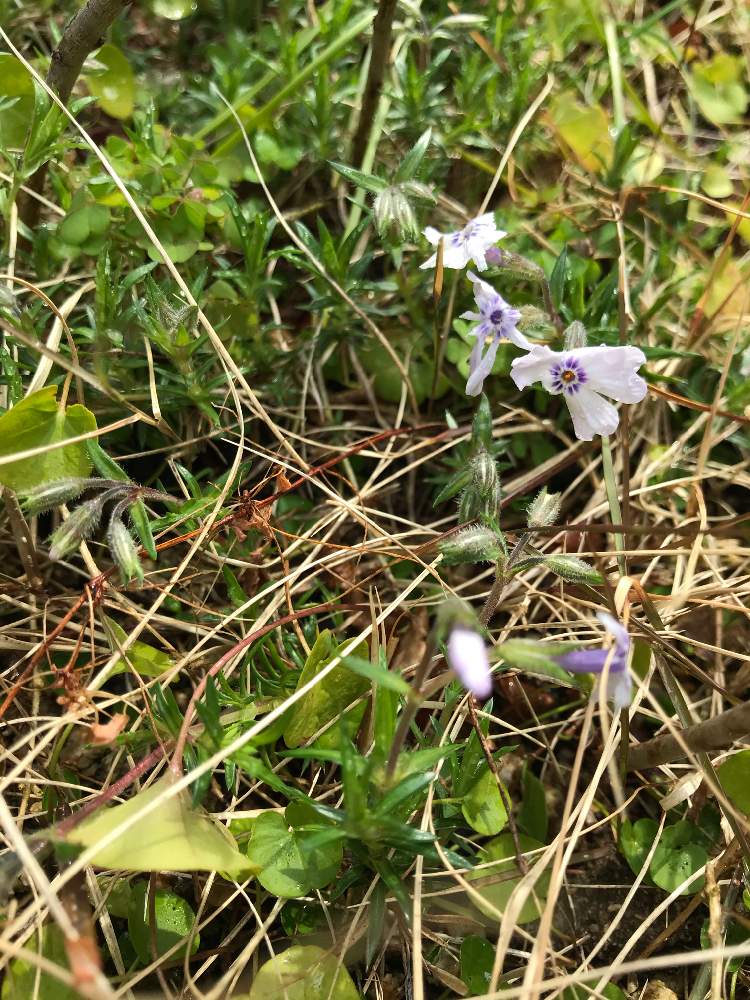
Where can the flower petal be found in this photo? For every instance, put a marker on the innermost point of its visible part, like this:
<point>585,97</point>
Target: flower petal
<point>620,689</point>
<point>534,367</point>
<point>617,630</point>
<point>467,657</point>
<point>480,367</point>
<point>614,371</point>
<point>591,414</point>
<point>433,236</point>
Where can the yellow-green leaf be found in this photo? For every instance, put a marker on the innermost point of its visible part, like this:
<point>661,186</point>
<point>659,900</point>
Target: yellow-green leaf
<point>144,659</point>
<point>303,972</point>
<point>583,130</point>
<point>36,421</point>
<point>174,837</point>
<point>113,86</point>
<point>719,89</point>
<point>17,93</point>
<point>483,806</point>
<point>23,980</point>
<point>328,699</point>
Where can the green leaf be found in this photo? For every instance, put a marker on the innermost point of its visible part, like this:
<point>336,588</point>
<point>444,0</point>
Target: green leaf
<point>174,919</point>
<point>635,840</point>
<point>173,10</point>
<point>483,806</point>
<point>610,992</point>
<point>380,676</point>
<point>477,957</point>
<point>139,517</point>
<point>559,277</point>
<point>734,775</point>
<point>38,421</point>
<point>21,978</point>
<point>17,98</point>
<point>458,481</point>
<point>303,972</point>
<point>497,882</point>
<point>539,658</point>
<point>114,86</point>
<point>105,466</point>
<point>413,159</point>
<point>677,857</point>
<point>328,699</point>
<point>172,838</point>
<point>532,816</point>
<point>144,659</point>
<point>288,866</point>
<point>719,89</point>
<point>584,130</point>
<point>367,181</point>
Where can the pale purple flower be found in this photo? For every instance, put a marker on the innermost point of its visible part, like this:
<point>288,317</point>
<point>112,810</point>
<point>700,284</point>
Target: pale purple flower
<point>582,375</point>
<point>592,661</point>
<point>468,244</point>
<point>467,657</point>
<point>496,321</point>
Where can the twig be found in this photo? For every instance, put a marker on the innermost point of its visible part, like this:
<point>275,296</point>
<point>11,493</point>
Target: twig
<point>81,36</point>
<point>717,733</point>
<point>382,30</point>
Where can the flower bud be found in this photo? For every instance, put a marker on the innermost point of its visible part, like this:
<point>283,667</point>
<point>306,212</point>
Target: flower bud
<point>573,569</point>
<point>79,526</point>
<point>544,510</point>
<point>49,495</point>
<point>472,545</point>
<point>392,211</point>
<point>514,263</point>
<point>481,425</point>
<point>575,336</point>
<point>484,477</point>
<point>124,551</point>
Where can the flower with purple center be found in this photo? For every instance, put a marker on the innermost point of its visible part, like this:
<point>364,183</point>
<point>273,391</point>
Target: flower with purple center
<point>467,658</point>
<point>593,661</point>
<point>584,376</point>
<point>468,244</point>
<point>496,321</point>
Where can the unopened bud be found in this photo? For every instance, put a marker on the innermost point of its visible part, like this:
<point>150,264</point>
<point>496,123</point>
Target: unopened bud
<point>471,545</point>
<point>124,551</point>
<point>50,495</point>
<point>79,526</point>
<point>484,477</point>
<point>544,510</point>
<point>392,211</point>
<point>573,569</point>
<point>575,336</point>
<point>481,425</point>
<point>514,263</point>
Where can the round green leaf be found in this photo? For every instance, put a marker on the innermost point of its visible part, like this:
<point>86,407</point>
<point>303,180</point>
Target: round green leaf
<point>671,866</point>
<point>38,421</point>
<point>174,918</point>
<point>303,972</point>
<point>289,866</point>
<point>635,841</point>
<point>173,10</point>
<point>113,86</point>
<point>734,775</point>
<point>483,806</point>
<point>497,881</point>
<point>477,958</point>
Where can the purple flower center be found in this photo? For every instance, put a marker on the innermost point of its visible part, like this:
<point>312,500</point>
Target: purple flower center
<point>496,317</point>
<point>568,375</point>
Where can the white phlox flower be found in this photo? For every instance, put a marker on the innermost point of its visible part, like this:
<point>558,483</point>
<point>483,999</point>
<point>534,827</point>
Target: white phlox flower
<point>467,657</point>
<point>584,376</point>
<point>495,321</point>
<point>468,244</point>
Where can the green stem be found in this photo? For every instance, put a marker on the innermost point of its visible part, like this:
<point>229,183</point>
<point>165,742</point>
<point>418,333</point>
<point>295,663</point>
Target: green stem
<point>613,497</point>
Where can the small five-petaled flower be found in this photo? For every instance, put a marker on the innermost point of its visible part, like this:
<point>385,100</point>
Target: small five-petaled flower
<point>593,661</point>
<point>495,321</point>
<point>467,658</point>
<point>584,376</point>
<point>465,245</point>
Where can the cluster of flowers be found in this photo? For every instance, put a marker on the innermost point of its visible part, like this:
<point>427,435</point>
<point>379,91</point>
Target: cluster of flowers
<point>584,376</point>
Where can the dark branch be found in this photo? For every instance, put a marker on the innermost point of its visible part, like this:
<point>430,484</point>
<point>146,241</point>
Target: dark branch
<point>382,30</point>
